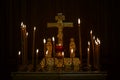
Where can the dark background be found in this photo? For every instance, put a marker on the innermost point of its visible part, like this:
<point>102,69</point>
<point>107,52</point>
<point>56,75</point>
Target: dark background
<point>94,14</point>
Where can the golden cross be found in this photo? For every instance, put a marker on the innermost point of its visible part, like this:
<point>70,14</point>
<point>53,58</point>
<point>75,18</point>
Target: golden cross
<point>60,25</point>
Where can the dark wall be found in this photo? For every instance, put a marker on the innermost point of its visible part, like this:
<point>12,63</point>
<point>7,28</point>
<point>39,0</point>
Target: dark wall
<point>94,14</point>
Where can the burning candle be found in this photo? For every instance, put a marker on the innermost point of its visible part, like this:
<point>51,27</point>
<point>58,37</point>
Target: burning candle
<point>63,57</point>
<point>37,51</point>
<point>88,53</point>
<point>19,57</point>
<point>80,44</point>
<point>97,47</point>
<point>44,41</point>
<point>88,56</point>
<point>23,43</point>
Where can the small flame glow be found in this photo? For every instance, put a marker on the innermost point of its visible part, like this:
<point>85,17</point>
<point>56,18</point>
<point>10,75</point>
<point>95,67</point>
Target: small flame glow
<point>60,44</point>
<point>53,39</point>
<point>96,42</point>
<point>26,33</point>
<point>34,28</point>
<point>62,53</point>
<point>88,49</point>
<point>90,31</point>
<point>88,42</point>
<point>37,50</point>
<point>22,24</point>
<point>93,37</point>
<point>78,20</point>
<point>71,50</point>
<point>44,41</point>
<point>19,52</point>
<point>47,52</point>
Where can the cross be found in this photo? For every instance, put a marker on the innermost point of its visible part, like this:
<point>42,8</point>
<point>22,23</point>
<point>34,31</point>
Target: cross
<point>60,25</point>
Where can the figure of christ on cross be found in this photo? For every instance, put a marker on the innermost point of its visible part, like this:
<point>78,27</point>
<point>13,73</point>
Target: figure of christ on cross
<point>60,25</point>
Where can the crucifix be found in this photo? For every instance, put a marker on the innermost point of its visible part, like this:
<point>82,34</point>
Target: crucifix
<point>60,25</point>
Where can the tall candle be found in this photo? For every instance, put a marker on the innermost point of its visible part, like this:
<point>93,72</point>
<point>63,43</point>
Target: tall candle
<point>23,42</point>
<point>80,45</point>
<point>37,51</point>
<point>33,51</point>
<point>94,55</point>
<point>26,48</point>
<point>88,54</point>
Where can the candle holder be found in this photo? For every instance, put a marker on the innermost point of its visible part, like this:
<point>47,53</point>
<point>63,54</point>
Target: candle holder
<point>58,50</point>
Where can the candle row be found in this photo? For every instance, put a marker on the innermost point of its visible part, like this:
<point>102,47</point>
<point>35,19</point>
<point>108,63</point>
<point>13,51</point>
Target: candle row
<point>94,49</point>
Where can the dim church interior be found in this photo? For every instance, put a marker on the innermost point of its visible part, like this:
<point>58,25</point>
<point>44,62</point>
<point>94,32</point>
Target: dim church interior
<point>98,15</point>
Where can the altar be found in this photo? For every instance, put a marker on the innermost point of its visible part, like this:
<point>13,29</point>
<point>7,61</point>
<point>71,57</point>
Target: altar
<point>54,65</point>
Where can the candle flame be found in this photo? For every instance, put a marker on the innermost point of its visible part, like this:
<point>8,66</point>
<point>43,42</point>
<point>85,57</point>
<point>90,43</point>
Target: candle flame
<point>88,42</point>
<point>53,39</point>
<point>37,50</point>
<point>59,44</point>
<point>90,31</point>
<point>47,52</point>
<point>78,20</point>
<point>96,42</point>
<point>88,49</point>
<point>44,41</point>
<point>63,53</point>
<point>22,24</point>
<point>26,33</point>
<point>19,52</point>
<point>71,50</point>
<point>93,37</point>
<point>34,28</point>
